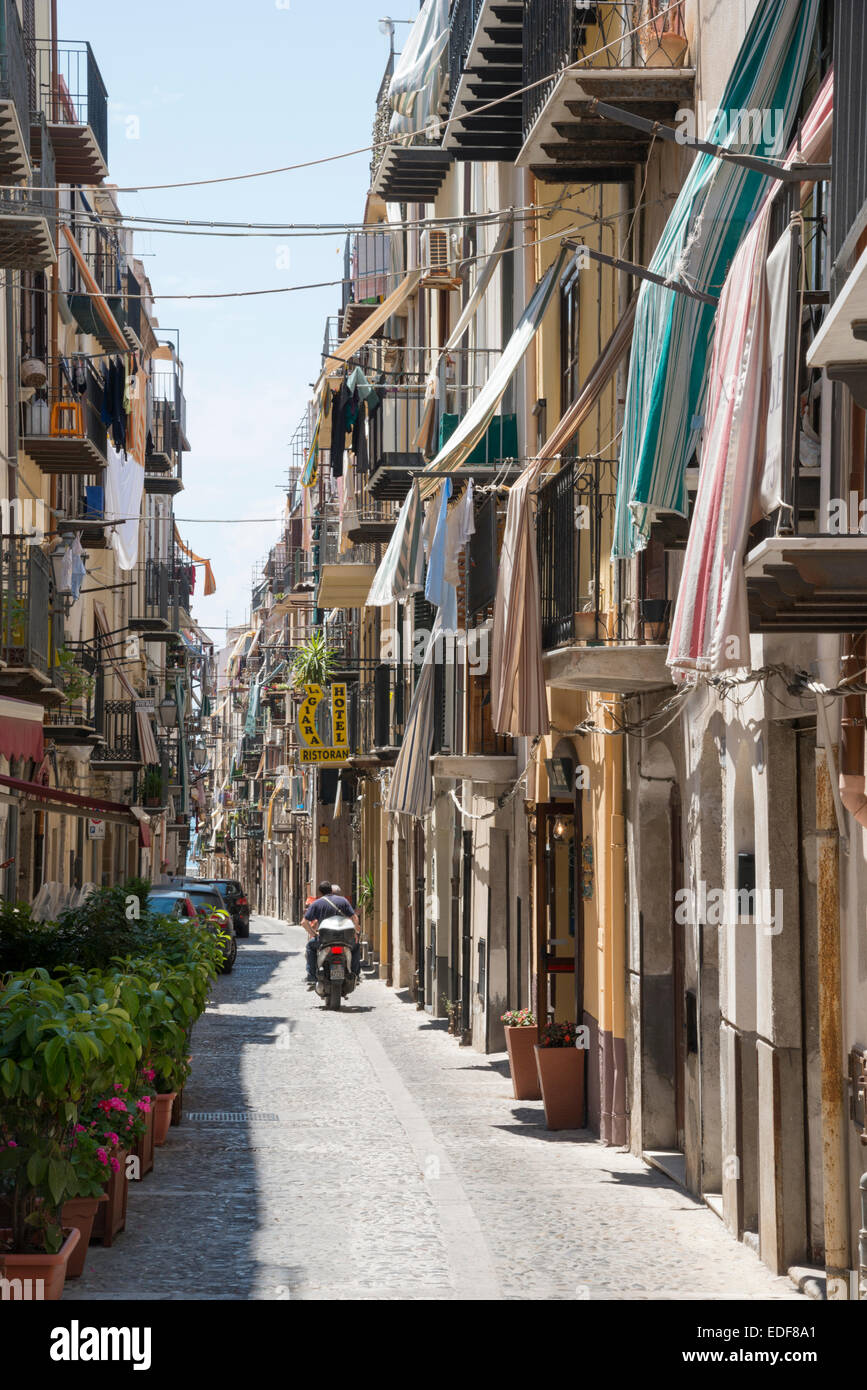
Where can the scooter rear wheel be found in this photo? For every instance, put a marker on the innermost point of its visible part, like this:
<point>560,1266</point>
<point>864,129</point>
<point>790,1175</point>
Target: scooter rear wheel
<point>336,994</point>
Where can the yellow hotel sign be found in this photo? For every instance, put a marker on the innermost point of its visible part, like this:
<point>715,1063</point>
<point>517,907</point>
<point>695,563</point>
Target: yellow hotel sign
<point>312,749</point>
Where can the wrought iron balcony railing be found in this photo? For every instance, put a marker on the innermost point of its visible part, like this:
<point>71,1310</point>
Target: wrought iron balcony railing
<point>63,432</point>
<point>31,621</point>
<point>75,104</point>
<point>116,721</point>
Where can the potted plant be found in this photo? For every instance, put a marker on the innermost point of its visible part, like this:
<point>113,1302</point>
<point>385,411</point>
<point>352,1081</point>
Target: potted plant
<point>366,896</point>
<point>75,683</point>
<point>152,785</point>
<point>58,1048</point>
<point>522,1035</point>
<point>654,617</point>
<point>315,662</point>
<point>660,36</point>
<point>560,1067</point>
<point>452,1008</point>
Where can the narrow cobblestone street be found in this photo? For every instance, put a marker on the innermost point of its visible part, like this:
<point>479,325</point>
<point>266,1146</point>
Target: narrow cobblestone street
<point>370,1157</point>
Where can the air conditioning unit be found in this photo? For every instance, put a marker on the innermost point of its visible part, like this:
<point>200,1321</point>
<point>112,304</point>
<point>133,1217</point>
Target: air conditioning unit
<point>438,259</point>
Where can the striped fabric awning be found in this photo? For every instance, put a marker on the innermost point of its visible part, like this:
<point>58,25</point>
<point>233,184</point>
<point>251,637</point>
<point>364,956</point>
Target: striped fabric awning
<point>710,630</point>
<point>518,699</point>
<point>421,75</point>
<point>672,330</point>
<point>410,792</point>
<point>473,426</point>
<point>402,566</point>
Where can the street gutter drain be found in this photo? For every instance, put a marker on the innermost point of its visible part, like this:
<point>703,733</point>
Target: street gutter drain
<point>232,1117</point>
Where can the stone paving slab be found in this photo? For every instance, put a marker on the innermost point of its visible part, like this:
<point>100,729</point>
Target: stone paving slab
<point>399,1168</point>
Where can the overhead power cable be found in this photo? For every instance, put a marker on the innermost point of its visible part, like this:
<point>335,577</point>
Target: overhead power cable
<point>591,58</point>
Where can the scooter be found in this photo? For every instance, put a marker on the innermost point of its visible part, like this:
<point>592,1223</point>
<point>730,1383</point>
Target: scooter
<point>334,975</point>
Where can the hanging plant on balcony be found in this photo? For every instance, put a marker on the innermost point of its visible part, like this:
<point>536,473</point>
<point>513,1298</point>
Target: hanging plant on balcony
<point>315,662</point>
<point>152,786</point>
<point>13,621</point>
<point>75,683</point>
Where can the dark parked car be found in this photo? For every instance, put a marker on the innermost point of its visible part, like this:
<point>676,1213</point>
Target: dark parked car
<point>236,902</point>
<point>233,894</point>
<point>199,901</point>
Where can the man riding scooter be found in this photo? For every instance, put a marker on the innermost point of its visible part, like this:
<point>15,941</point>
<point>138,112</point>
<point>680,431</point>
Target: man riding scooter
<point>329,904</point>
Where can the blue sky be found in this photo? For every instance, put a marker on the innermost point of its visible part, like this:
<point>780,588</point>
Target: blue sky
<point>223,88</point>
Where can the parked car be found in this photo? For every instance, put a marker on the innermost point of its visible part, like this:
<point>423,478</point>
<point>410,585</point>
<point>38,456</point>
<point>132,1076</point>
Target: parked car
<point>233,894</point>
<point>237,903</point>
<point>202,902</point>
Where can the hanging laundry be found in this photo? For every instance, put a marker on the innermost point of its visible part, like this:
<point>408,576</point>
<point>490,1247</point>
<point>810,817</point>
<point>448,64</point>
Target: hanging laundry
<point>460,526</point>
<point>437,589</point>
<point>341,402</point>
<point>77,569</point>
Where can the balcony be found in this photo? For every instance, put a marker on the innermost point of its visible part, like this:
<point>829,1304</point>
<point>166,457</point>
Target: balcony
<point>75,107</point>
<point>465,743</point>
<point>590,643</point>
<point>87,517</point>
<point>31,624</point>
<point>75,725</point>
<point>378,709</point>
<point>367,272</point>
<point>63,433</point>
<point>119,749</point>
<point>485,65</point>
<point>403,172</point>
<point>150,604</point>
<point>564,140</point>
<point>14,97</point>
<point>28,217</point>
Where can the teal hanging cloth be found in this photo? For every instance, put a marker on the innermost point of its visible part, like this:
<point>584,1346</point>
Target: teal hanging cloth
<point>673,332</point>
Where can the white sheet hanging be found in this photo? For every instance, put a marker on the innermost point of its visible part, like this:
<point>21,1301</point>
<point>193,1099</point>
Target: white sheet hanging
<point>124,485</point>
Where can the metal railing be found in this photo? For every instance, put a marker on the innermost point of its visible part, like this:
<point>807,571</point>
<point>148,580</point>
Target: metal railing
<point>79,96</point>
<point>367,266</point>
<point>462,25</point>
<point>44,171</point>
<point>31,623</point>
<point>14,65</point>
<point>558,33</point>
<point>50,415</point>
<point>462,711</point>
<point>116,721</point>
<point>574,521</point>
<point>378,708</point>
<point>382,118</point>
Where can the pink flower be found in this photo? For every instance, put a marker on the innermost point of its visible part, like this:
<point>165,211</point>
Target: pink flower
<point>102,1155</point>
<point>115,1165</point>
<point>144,1104</point>
<point>11,1144</point>
<point>117,1104</point>
<point>112,1138</point>
<point>80,1129</point>
<point>118,1087</point>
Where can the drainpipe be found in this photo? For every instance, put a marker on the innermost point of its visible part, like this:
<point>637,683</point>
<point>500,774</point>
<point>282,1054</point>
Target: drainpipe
<point>834,1157</point>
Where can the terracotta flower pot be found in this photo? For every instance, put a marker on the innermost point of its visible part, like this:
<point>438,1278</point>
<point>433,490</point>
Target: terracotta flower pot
<point>163,1117</point>
<point>32,1268</point>
<point>81,1213</point>
<point>561,1077</point>
<point>522,1063</point>
<point>144,1147</point>
<point>110,1217</point>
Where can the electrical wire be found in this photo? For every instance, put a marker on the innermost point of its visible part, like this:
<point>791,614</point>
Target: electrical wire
<point>396,140</point>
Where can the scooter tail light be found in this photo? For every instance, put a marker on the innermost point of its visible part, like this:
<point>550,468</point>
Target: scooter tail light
<point>337,950</point>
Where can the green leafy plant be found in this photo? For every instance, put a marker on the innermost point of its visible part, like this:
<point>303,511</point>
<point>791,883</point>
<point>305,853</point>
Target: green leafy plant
<point>366,896</point>
<point>58,1048</point>
<point>314,662</point>
<point>75,683</point>
<point>13,620</point>
<point>152,783</point>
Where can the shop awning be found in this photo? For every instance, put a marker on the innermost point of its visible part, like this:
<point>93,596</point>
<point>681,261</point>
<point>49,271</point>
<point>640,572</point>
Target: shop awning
<point>410,791</point>
<point>366,330</point>
<point>144,826</point>
<point>21,730</point>
<point>474,425</point>
<point>673,332</point>
<point>518,697</point>
<point>71,803</point>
